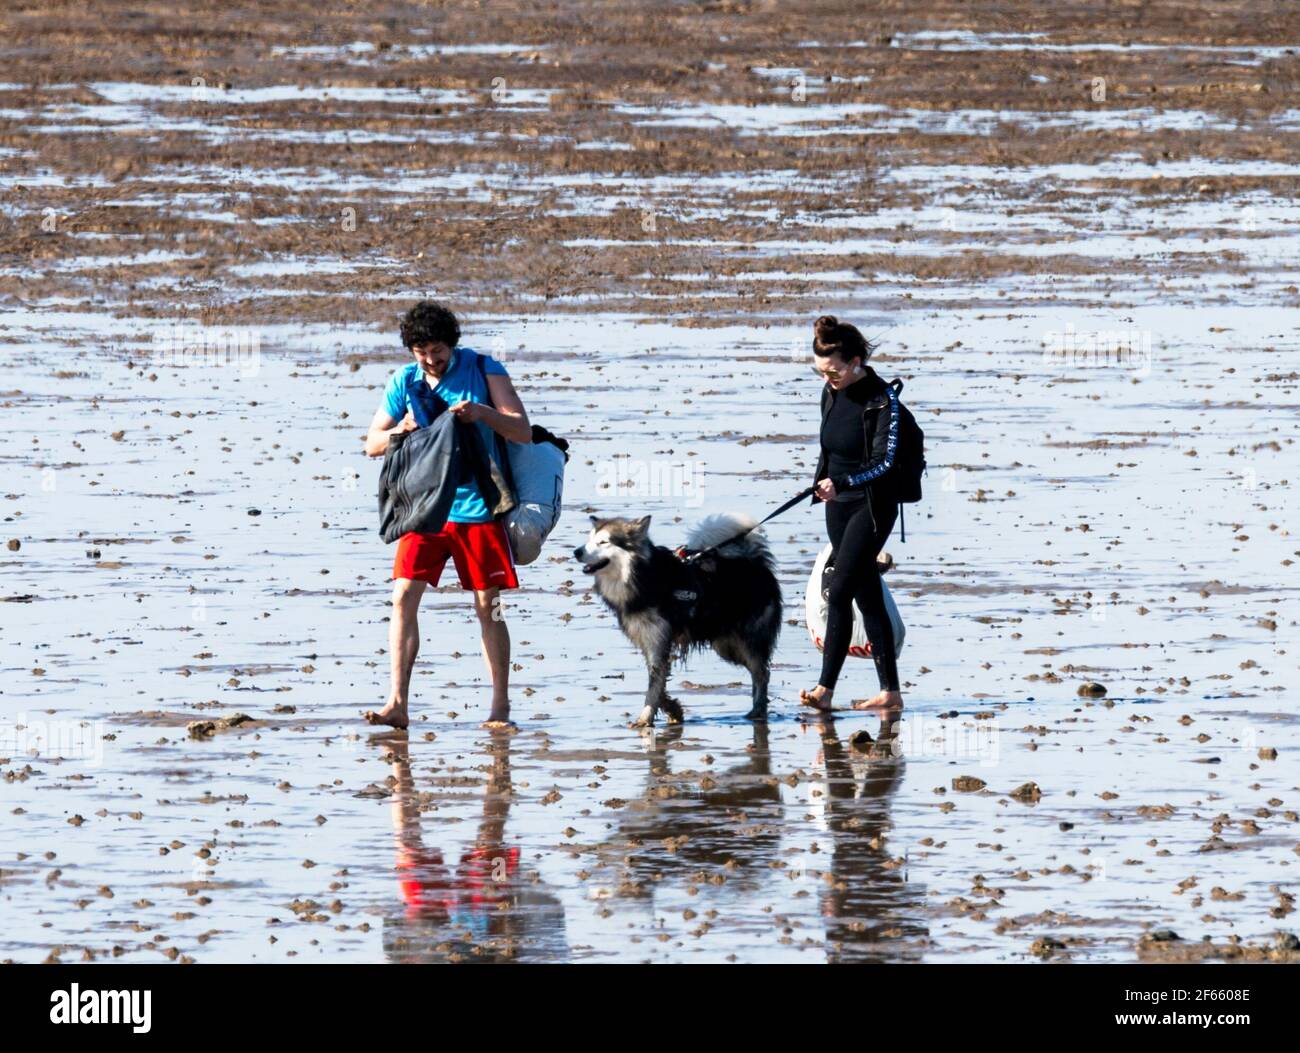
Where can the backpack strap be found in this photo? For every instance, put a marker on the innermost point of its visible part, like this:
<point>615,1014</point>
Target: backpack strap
<point>896,388</point>
<point>503,454</point>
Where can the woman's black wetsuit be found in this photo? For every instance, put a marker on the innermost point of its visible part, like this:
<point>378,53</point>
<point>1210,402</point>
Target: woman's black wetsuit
<point>855,444</point>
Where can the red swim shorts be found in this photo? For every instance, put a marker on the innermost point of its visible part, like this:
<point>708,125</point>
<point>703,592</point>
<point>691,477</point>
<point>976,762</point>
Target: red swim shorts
<point>481,552</point>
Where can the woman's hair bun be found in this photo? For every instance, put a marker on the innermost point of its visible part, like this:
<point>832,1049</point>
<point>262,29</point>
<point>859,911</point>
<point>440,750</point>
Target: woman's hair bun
<point>832,337</point>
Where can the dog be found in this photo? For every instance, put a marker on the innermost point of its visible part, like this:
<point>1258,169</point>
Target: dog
<point>729,600</point>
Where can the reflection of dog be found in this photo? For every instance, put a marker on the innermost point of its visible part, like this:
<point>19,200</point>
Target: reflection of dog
<point>728,599</point>
<point>682,825</point>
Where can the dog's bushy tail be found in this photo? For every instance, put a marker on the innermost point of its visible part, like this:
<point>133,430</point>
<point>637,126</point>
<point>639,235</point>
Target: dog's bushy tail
<point>715,530</point>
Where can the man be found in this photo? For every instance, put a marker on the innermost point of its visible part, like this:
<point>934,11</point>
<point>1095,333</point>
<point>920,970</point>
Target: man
<point>475,541</point>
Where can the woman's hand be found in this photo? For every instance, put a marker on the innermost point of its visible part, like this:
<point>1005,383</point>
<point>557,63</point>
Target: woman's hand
<point>826,490</point>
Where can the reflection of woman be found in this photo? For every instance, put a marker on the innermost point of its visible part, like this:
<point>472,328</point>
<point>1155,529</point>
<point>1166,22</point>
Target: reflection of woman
<point>853,479</point>
<point>481,910</point>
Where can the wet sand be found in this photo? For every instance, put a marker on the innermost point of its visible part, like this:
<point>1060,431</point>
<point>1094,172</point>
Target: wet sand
<point>642,226</point>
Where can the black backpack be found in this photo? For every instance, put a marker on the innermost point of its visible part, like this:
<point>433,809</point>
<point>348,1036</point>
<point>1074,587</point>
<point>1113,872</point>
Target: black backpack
<point>909,458</point>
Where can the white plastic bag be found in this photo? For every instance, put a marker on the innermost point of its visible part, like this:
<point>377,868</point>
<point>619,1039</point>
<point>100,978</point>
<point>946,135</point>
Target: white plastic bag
<point>537,470</point>
<point>816,608</point>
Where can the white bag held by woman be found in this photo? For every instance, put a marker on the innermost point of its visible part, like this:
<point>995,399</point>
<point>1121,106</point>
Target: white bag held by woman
<point>816,606</point>
<point>537,472</point>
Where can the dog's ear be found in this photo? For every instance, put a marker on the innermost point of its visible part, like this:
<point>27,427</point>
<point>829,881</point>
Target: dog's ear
<point>594,520</point>
<point>643,526</point>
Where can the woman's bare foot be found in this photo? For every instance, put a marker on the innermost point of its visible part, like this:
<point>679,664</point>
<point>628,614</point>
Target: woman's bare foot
<point>392,715</point>
<point>818,698</point>
<point>891,700</point>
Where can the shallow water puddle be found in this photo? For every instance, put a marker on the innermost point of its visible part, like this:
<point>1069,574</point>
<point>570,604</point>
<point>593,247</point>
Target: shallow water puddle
<point>701,842</point>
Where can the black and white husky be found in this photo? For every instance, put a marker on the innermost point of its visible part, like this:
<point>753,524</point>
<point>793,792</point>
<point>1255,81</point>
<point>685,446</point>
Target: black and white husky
<point>729,600</point>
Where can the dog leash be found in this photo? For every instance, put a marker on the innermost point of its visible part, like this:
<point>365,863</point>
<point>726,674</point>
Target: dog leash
<point>691,557</point>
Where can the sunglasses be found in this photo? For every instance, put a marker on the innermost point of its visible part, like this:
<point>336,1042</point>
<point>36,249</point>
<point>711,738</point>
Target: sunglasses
<point>829,374</point>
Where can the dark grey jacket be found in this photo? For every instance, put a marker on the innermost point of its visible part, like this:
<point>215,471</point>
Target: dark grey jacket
<point>423,468</point>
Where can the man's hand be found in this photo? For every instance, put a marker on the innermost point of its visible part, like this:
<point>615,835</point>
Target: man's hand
<point>826,490</point>
<point>382,429</point>
<point>468,412</point>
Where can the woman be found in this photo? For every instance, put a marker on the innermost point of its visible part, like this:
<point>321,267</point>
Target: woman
<point>853,479</point>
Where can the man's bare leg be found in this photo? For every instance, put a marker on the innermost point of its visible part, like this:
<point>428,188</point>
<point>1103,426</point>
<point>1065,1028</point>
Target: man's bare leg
<point>403,646</point>
<point>496,653</point>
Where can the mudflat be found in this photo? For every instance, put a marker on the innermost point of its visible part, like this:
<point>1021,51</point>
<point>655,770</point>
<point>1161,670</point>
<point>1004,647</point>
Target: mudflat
<point>1074,234</point>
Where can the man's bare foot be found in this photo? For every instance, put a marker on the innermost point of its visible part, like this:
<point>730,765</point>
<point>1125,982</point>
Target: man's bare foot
<point>891,700</point>
<point>818,698</point>
<point>499,718</point>
<point>392,715</point>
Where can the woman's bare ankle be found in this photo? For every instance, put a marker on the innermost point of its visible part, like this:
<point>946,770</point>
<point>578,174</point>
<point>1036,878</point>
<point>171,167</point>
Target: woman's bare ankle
<point>884,699</point>
<point>819,697</point>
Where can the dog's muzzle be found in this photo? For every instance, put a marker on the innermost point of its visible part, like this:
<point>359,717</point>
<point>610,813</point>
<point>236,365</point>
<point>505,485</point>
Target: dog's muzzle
<point>580,554</point>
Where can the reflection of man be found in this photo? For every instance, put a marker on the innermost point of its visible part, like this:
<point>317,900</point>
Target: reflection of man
<point>446,375</point>
<point>869,906</point>
<point>481,908</point>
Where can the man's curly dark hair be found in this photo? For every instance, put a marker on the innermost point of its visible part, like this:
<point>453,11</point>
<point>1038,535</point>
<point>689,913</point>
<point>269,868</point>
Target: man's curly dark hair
<point>429,322</point>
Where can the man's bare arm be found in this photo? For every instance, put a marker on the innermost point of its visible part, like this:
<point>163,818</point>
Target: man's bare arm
<point>381,427</point>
